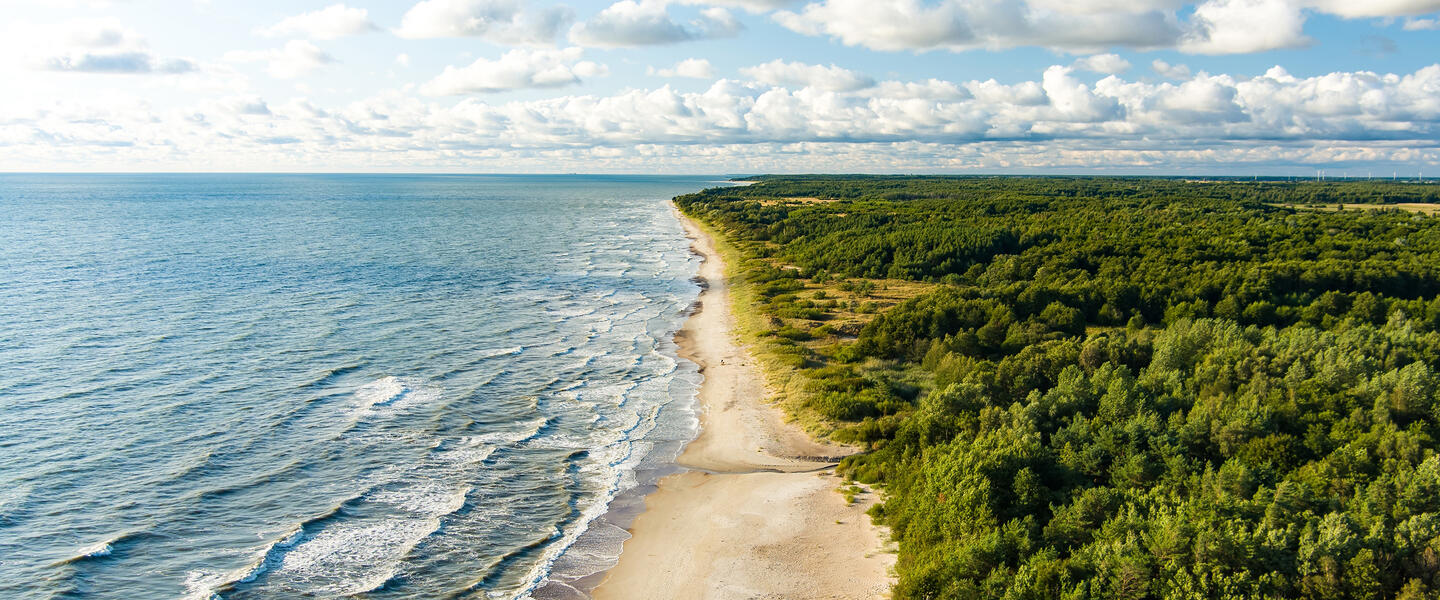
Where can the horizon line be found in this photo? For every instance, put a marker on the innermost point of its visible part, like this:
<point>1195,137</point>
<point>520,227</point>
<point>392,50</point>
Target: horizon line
<point>1320,174</point>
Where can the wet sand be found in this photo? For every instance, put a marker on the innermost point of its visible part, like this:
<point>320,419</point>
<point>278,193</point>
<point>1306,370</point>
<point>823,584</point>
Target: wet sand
<point>756,514</point>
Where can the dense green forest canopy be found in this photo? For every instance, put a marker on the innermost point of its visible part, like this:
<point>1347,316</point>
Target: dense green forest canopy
<point>1119,388</point>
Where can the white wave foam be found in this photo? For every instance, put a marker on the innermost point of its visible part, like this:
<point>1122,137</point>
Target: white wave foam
<point>425,499</point>
<point>96,550</point>
<point>341,558</point>
<point>203,584</point>
<point>353,557</point>
<point>99,549</point>
<point>601,552</point>
<point>380,392</point>
<point>331,558</point>
<point>528,430</point>
<point>290,539</point>
<point>370,544</point>
<point>206,585</point>
<point>498,352</point>
<point>393,392</point>
<point>593,545</point>
<point>466,452</point>
<point>606,462</point>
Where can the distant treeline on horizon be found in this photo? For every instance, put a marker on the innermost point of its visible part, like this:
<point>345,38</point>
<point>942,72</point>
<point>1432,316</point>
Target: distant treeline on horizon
<point>1418,179</point>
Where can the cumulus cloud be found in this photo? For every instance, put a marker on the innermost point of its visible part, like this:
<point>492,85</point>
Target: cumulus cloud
<point>1091,7</point>
<point>1356,107</point>
<point>781,119</point>
<point>1421,24</point>
<point>331,22</point>
<point>932,89</point>
<point>250,105</point>
<point>695,68</point>
<point>1242,26</point>
<point>500,21</point>
<point>297,58</point>
<point>648,22</point>
<point>1170,71</point>
<point>1073,101</point>
<point>516,69</point>
<point>753,6</point>
<point>115,62</point>
<point>89,46</point>
<point>1081,26</point>
<point>965,24</point>
<point>1354,9</point>
<point>1343,108</point>
<point>795,74</point>
<point>1109,64</point>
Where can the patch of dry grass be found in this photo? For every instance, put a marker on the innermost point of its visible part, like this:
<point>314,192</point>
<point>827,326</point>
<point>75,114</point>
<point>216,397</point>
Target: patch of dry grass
<point>797,201</point>
<point>1414,207</point>
<point>756,325</point>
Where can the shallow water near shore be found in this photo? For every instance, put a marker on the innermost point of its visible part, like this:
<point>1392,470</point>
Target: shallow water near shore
<point>253,386</point>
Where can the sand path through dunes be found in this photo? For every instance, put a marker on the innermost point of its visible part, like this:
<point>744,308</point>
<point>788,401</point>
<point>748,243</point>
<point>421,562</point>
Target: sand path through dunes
<point>757,514</point>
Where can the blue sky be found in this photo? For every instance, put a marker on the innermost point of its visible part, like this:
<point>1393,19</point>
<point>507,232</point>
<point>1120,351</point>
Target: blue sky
<point>1232,87</point>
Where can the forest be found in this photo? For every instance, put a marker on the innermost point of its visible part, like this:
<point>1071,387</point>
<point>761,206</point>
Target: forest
<point>1087,388</point>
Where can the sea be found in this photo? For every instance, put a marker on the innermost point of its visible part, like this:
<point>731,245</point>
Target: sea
<point>326,386</point>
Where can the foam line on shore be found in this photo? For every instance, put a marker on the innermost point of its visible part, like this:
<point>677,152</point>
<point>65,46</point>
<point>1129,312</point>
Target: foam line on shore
<point>753,514</point>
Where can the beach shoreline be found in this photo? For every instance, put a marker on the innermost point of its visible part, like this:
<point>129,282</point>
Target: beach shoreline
<point>755,513</point>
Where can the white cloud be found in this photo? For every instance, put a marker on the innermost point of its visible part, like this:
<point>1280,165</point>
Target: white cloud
<point>1244,26</point>
<point>1354,9</point>
<point>1072,101</point>
<point>1091,7</point>
<point>402,59</point>
<point>782,116</point>
<point>1199,102</point>
<point>331,22</point>
<point>297,58</point>
<point>1341,108</point>
<point>1421,24</point>
<point>1080,26</point>
<point>648,22</point>
<point>500,21</point>
<point>932,89</point>
<point>250,105</point>
<point>86,46</point>
<point>115,62</point>
<point>516,69</point>
<point>695,68</point>
<point>967,24</point>
<point>904,25</point>
<point>753,6</point>
<point>993,93</point>
<point>1170,71</point>
<point>1056,115</point>
<point>1109,64</point>
<point>795,74</point>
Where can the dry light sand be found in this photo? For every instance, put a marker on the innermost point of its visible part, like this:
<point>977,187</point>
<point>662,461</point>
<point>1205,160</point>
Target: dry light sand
<point>757,514</point>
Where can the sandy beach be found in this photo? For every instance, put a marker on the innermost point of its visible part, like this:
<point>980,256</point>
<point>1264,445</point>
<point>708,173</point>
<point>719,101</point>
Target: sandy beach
<point>756,515</point>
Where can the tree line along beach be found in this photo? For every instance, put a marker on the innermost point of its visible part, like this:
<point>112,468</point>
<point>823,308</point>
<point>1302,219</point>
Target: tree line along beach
<point>1070,388</point>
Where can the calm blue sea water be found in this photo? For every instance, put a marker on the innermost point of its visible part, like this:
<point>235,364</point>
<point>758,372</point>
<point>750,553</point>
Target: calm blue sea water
<point>267,386</point>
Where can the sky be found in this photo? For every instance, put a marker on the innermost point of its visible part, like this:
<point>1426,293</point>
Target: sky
<point>1220,87</point>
